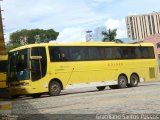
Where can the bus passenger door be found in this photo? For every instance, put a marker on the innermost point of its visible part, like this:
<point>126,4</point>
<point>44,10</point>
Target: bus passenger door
<point>38,63</point>
<point>36,71</point>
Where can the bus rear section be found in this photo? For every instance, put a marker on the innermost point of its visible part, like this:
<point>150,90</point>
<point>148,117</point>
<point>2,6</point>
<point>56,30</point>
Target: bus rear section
<point>3,71</point>
<point>3,76</point>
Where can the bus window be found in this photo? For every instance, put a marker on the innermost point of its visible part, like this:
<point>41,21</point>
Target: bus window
<point>151,52</point>
<point>144,52</point>
<point>3,64</point>
<point>128,52</point>
<point>59,54</point>
<point>79,53</point>
<point>64,53</point>
<point>116,53</point>
<point>137,53</point>
<point>108,53</point>
<point>147,52</point>
<point>96,53</point>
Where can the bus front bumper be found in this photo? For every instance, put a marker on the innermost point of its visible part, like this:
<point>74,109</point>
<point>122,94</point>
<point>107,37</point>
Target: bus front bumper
<point>20,90</point>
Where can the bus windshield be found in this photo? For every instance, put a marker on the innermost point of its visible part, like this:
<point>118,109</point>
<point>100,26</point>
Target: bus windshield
<point>18,68</point>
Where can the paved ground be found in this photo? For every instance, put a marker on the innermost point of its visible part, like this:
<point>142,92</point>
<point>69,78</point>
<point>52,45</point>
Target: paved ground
<point>144,99</point>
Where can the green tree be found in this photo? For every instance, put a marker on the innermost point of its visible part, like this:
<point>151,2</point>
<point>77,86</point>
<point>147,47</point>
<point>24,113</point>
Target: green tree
<point>110,36</point>
<point>11,46</point>
<point>33,36</point>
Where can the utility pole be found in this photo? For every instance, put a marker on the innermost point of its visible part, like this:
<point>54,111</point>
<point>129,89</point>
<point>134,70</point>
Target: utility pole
<point>88,36</point>
<point>2,43</point>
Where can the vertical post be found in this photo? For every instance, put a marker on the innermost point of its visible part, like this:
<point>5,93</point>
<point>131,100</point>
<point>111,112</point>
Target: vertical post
<point>88,36</point>
<point>2,43</point>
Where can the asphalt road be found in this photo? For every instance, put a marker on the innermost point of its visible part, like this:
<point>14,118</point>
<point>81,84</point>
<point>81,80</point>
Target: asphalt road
<point>144,99</point>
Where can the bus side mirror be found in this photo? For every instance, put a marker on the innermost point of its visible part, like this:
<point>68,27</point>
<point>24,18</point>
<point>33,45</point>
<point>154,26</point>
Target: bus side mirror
<point>35,57</point>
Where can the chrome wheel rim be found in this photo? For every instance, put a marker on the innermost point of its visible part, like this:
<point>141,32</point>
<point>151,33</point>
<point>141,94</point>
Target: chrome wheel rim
<point>122,82</point>
<point>134,80</point>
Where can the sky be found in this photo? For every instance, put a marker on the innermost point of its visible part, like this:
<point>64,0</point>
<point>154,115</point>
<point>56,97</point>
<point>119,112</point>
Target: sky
<point>72,18</point>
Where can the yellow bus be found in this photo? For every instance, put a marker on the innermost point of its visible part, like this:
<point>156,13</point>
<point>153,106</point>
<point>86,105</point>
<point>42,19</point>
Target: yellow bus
<point>3,71</point>
<point>52,67</point>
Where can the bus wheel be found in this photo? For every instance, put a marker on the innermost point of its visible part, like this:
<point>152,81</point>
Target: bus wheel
<point>100,88</point>
<point>113,86</point>
<point>54,88</point>
<point>122,81</point>
<point>37,95</point>
<point>134,80</point>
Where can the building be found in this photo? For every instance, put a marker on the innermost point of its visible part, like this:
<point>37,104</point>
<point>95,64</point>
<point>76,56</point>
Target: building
<point>125,40</point>
<point>135,41</point>
<point>142,26</point>
<point>89,36</point>
<point>96,34</point>
<point>155,39</point>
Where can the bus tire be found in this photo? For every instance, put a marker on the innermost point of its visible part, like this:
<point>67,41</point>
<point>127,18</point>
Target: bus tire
<point>113,86</point>
<point>36,95</point>
<point>54,88</point>
<point>134,80</point>
<point>122,81</point>
<point>100,88</point>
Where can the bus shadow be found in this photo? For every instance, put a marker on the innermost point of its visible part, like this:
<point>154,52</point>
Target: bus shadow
<point>64,93</point>
<point>81,91</point>
<point>46,95</point>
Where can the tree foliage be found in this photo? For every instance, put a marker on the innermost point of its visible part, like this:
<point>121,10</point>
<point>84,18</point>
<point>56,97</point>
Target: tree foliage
<point>110,36</point>
<point>10,46</point>
<point>33,35</point>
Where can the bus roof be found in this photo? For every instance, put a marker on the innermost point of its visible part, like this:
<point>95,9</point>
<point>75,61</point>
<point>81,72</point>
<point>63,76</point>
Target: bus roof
<point>81,44</point>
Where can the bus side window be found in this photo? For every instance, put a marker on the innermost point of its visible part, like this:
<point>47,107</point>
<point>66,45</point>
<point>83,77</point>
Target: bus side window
<point>131,53</point>
<point>59,53</point>
<point>144,52</point>
<point>109,53</point>
<point>97,53</point>
<point>118,53</point>
<point>3,64</point>
<point>137,53</point>
<point>63,53</point>
<point>151,52</point>
<point>75,55</point>
<point>56,55</point>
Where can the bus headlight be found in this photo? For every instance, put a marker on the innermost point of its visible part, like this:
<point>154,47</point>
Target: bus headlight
<point>24,84</point>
